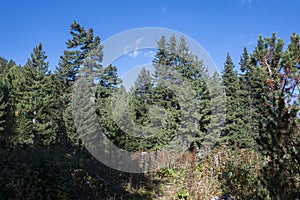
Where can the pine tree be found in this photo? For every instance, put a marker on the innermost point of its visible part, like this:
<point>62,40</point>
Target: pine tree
<point>84,111</point>
<point>82,49</point>
<point>83,44</point>
<point>35,101</point>
<point>278,132</point>
<point>84,94</point>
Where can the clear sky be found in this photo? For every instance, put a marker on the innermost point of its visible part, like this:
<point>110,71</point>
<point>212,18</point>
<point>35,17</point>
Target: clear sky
<point>219,26</point>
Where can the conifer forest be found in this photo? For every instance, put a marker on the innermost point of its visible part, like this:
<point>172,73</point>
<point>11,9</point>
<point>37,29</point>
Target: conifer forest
<point>255,156</point>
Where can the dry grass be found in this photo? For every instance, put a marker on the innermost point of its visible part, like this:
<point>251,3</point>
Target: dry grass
<point>224,171</point>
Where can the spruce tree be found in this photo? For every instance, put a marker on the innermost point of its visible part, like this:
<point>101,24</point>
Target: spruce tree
<point>10,90</point>
<point>200,81</point>
<point>160,61</point>
<point>140,105</point>
<point>107,86</point>
<point>230,83</point>
<point>6,72</point>
<point>142,93</point>
<point>176,65</point>
<point>248,110</point>
<point>166,81</point>
<point>5,66</point>
<point>217,108</point>
<point>245,94</point>
<point>109,81</point>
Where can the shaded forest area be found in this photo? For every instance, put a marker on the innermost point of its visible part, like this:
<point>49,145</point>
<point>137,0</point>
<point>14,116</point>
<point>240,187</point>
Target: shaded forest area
<point>256,155</point>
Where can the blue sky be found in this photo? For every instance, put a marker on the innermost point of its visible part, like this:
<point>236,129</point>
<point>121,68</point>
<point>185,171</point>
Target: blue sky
<point>219,26</point>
